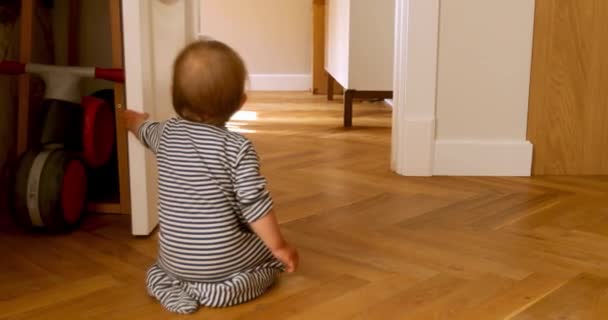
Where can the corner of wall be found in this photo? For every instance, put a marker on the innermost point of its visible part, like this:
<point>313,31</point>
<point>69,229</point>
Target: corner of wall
<point>416,45</point>
<point>414,152</point>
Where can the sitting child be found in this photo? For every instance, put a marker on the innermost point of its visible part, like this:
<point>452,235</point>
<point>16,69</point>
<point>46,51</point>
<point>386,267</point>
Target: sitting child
<point>220,243</point>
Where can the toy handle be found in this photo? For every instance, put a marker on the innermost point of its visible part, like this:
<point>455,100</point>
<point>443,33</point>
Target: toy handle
<point>16,68</point>
<point>116,75</point>
<point>12,67</point>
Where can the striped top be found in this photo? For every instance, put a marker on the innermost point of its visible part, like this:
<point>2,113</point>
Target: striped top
<point>210,188</point>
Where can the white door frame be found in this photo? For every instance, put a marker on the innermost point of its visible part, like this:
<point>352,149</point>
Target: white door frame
<point>141,82</point>
<point>415,87</point>
<point>415,82</point>
<point>193,21</point>
<point>139,75</point>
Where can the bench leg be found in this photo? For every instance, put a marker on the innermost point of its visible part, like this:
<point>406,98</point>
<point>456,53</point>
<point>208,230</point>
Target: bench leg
<point>330,87</point>
<point>348,108</point>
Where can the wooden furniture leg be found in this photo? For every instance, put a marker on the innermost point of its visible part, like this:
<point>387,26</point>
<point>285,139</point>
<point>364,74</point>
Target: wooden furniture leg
<point>319,77</point>
<point>352,94</point>
<point>25,56</point>
<point>349,95</point>
<point>330,87</point>
<point>119,93</point>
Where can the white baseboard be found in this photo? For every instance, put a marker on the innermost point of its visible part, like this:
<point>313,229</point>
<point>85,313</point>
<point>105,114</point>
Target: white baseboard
<point>412,152</point>
<point>483,158</point>
<point>390,103</point>
<point>280,82</point>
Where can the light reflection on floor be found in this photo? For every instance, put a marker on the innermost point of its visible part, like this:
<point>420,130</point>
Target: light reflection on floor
<point>243,115</point>
<point>237,122</point>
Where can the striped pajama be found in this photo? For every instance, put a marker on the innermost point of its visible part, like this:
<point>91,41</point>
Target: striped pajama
<point>185,296</point>
<point>210,189</point>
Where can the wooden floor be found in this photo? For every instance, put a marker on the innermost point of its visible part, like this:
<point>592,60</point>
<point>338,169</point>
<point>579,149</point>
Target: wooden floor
<point>373,245</point>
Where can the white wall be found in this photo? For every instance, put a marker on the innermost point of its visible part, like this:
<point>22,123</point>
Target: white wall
<point>485,49</point>
<point>273,36</point>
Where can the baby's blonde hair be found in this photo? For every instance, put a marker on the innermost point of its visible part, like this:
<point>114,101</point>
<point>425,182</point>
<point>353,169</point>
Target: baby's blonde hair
<point>208,82</point>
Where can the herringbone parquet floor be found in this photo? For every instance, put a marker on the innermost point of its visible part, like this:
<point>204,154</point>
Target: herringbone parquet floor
<point>373,245</point>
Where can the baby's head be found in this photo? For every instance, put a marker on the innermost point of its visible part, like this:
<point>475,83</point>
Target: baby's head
<point>208,82</point>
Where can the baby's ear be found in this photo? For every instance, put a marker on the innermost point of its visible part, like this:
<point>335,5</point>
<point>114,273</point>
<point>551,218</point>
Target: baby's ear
<point>243,99</point>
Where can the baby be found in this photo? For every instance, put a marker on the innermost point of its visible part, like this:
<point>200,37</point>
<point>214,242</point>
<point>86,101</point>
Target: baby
<point>220,244</point>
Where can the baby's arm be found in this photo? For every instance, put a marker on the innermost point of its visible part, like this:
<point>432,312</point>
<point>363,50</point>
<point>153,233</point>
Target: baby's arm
<point>147,132</point>
<point>256,206</point>
<point>133,120</point>
<point>268,230</point>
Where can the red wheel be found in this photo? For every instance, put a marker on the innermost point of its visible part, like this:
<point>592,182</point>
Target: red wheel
<point>98,132</point>
<point>73,191</point>
<point>49,190</point>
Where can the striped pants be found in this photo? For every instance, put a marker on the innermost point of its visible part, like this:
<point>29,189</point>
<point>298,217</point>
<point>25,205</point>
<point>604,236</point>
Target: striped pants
<point>185,297</point>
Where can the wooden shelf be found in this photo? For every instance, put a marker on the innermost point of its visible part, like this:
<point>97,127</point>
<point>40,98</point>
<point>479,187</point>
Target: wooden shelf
<point>105,207</point>
<point>28,8</point>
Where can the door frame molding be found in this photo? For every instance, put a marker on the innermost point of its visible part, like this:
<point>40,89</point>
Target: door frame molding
<point>139,75</point>
<point>415,87</point>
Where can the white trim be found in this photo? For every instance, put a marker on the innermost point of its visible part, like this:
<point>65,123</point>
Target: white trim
<point>192,22</point>
<point>138,82</point>
<point>416,153</point>
<point>415,86</point>
<point>483,158</point>
<point>390,103</point>
<point>280,82</point>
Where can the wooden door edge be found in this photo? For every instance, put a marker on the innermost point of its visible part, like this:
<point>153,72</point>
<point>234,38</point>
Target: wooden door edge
<point>319,75</point>
<point>119,92</point>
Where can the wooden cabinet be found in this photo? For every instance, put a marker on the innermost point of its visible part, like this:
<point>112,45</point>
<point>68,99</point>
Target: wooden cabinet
<point>118,200</point>
<point>359,49</point>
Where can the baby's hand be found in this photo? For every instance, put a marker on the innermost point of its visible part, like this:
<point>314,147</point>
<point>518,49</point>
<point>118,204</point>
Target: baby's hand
<point>288,255</point>
<point>132,120</point>
<point>268,230</point>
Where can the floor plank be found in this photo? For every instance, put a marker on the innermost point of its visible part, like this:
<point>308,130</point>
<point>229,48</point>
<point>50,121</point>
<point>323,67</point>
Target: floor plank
<point>577,299</point>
